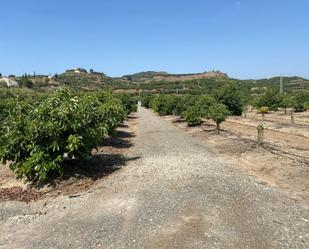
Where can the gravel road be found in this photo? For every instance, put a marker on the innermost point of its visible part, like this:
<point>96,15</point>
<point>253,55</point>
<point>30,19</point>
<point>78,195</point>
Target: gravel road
<point>172,193</point>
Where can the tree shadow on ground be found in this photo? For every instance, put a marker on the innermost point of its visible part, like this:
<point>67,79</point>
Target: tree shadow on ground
<point>121,140</point>
<point>105,160</point>
<point>93,169</point>
<point>179,120</point>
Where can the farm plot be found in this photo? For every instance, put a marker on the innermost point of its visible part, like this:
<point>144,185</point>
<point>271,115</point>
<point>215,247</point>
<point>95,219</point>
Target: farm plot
<point>283,159</point>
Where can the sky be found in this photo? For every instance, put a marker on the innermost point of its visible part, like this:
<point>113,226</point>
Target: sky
<point>243,38</point>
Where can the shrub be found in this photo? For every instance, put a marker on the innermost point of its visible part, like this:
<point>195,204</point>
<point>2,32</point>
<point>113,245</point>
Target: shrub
<point>299,107</point>
<point>164,104</point>
<point>128,102</point>
<point>299,101</point>
<point>146,101</point>
<point>182,104</point>
<point>193,116</point>
<point>218,113</point>
<point>37,136</point>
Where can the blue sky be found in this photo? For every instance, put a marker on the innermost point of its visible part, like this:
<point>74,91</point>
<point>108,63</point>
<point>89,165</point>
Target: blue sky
<point>244,38</point>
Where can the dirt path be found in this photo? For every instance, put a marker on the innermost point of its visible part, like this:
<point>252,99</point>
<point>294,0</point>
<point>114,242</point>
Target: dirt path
<point>173,193</point>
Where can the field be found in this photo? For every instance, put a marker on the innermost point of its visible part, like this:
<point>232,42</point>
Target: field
<point>282,161</point>
<point>88,169</point>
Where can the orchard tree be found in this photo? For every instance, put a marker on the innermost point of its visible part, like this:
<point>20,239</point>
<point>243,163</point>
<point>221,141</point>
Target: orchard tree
<point>300,99</point>
<point>218,113</point>
<point>193,116</point>
<point>231,96</point>
<point>271,98</point>
<point>286,102</point>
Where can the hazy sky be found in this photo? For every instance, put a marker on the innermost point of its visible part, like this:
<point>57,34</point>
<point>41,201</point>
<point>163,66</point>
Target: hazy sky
<point>245,38</point>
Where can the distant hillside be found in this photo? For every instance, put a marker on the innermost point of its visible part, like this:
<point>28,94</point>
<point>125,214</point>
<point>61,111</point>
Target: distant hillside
<point>151,76</point>
<point>156,82</point>
<point>84,79</point>
<point>79,78</point>
<point>290,84</point>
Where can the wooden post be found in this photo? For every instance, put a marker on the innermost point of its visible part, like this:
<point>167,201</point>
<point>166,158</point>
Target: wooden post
<point>292,117</point>
<point>260,130</point>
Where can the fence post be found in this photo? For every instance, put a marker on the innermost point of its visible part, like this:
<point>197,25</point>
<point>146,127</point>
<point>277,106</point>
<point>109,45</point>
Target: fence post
<point>260,129</point>
<point>292,117</point>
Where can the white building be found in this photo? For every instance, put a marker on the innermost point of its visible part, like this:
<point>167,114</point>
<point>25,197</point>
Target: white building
<point>9,82</point>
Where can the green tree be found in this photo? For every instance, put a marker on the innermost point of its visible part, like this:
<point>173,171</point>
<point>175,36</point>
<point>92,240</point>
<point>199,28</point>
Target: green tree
<point>35,137</point>
<point>218,113</point>
<point>25,81</point>
<point>231,96</point>
<point>299,101</point>
<point>286,102</point>
<point>271,98</point>
<point>193,116</point>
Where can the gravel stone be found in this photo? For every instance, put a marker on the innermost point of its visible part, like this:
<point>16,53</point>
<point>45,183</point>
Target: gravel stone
<point>172,193</point>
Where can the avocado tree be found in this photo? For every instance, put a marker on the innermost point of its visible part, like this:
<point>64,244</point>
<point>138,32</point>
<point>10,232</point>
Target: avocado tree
<point>193,116</point>
<point>286,102</point>
<point>231,96</point>
<point>271,98</point>
<point>218,113</point>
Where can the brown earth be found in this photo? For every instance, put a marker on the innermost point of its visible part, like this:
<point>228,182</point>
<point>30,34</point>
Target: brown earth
<point>79,175</point>
<point>282,161</point>
<point>173,78</point>
<point>174,192</point>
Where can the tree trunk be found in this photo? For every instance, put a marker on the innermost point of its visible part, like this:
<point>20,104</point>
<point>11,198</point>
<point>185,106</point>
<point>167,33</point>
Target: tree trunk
<point>218,128</point>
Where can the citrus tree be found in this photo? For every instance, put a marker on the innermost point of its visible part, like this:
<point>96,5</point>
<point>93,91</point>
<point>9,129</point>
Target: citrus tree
<point>218,113</point>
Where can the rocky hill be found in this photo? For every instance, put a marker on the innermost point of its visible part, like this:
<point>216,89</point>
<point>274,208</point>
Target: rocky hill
<point>151,76</point>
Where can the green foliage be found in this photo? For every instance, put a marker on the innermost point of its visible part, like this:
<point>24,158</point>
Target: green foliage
<point>164,104</point>
<point>128,102</point>
<point>299,101</point>
<point>271,98</point>
<point>183,103</point>
<point>36,136</point>
<point>25,82</point>
<point>230,95</point>
<point>286,102</point>
<point>146,101</point>
<point>193,116</point>
<point>218,113</point>
<point>192,108</point>
<point>299,107</point>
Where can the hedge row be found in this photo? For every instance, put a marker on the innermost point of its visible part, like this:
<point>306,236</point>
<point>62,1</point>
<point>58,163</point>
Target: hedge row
<point>37,137</point>
<point>192,108</point>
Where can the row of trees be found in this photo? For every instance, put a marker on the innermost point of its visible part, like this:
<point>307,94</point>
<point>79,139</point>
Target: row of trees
<point>37,137</point>
<point>274,100</point>
<point>192,108</point>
